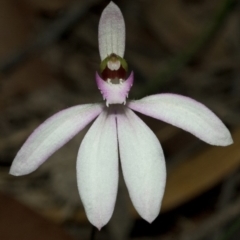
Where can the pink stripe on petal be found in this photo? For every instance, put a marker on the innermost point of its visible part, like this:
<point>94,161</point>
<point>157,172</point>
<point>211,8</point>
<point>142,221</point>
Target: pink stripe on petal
<point>111,32</point>
<point>185,113</point>
<point>97,169</point>
<point>51,135</point>
<point>142,163</point>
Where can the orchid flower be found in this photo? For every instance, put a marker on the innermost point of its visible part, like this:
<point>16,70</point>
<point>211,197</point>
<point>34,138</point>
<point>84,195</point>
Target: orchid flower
<point>118,131</point>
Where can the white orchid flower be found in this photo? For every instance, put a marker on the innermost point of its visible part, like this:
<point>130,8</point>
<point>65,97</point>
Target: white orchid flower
<point>117,130</point>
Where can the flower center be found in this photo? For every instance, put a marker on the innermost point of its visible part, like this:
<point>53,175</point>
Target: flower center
<point>113,69</point>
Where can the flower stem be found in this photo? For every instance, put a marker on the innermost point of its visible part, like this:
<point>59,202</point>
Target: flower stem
<point>93,233</point>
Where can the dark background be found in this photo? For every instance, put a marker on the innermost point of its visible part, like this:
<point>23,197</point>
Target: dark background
<point>48,59</point>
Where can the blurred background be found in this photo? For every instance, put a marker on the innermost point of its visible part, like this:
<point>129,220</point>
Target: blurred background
<point>48,59</point>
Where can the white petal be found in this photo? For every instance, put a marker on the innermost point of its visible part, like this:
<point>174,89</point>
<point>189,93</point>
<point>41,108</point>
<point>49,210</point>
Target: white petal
<point>97,169</point>
<point>143,164</point>
<point>111,32</point>
<point>51,135</point>
<point>185,113</point>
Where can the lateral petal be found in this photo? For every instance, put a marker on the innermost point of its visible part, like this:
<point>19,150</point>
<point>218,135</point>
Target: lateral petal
<point>143,164</point>
<point>51,135</point>
<point>97,169</point>
<point>185,113</point>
